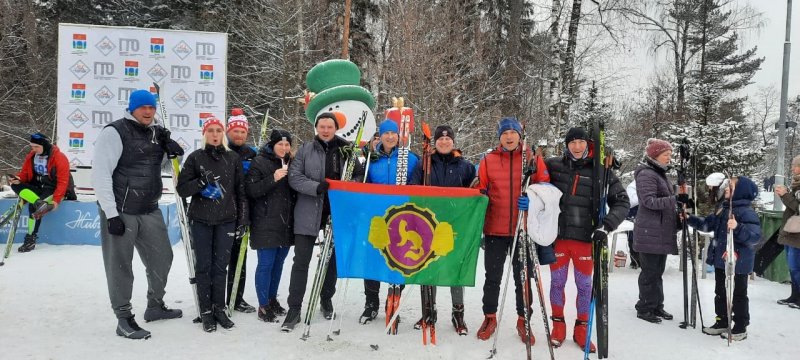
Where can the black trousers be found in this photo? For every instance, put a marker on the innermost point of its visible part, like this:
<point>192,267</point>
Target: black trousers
<point>371,290</point>
<point>212,251</point>
<point>237,243</point>
<point>494,258</point>
<point>651,283</point>
<point>741,303</point>
<point>303,249</point>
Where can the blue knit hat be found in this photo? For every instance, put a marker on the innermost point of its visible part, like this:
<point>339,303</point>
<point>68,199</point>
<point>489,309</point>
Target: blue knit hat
<point>140,98</point>
<point>387,125</point>
<point>508,123</point>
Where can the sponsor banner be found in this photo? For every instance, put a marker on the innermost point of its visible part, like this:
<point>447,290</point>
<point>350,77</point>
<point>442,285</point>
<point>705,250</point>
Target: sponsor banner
<point>78,223</point>
<point>99,67</point>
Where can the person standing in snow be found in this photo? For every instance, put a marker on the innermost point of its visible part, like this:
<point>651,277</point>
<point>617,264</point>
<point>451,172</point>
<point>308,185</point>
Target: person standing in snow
<point>238,128</point>
<point>746,233</point>
<point>271,209</point>
<point>322,158</point>
<point>655,228</point>
<point>448,169</point>
<point>126,176</point>
<point>383,170</point>
<point>573,175</point>
<point>218,212</point>
<point>791,241</point>
<point>45,171</point>
<point>500,178</point>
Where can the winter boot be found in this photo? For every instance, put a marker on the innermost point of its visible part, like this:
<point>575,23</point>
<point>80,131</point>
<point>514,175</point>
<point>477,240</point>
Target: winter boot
<point>662,314</point>
<point>738,333</point>
<point>292,319</point>
<point>458,320</point>
<point>161,312</point>
<point>579,335</point>
<point>244,307</point>
<point>370,313</point>
<point>523,333</point>
<point>431,320</point>
<point>559,332</point>
<point>127,327</point>
<point>488,327</point>
<point>795,305</point>
<point>326,306</point>
<point>221,315</point>
<point>29,243</point>
<point>276,307</point>
<point>209,323</point>
<point>719,327</point>
<point>648,316</point>
<point>266,314</point>
<point>793,298</point>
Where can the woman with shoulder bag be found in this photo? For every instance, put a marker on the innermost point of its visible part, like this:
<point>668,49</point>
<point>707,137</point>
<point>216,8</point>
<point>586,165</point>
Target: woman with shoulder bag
<point>789,235</point>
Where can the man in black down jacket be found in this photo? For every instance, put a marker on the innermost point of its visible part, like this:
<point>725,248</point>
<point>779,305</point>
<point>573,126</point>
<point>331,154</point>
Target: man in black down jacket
<point>577,228</point>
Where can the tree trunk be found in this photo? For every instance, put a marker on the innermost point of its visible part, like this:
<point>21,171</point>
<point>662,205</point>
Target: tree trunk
<point>568,69</point>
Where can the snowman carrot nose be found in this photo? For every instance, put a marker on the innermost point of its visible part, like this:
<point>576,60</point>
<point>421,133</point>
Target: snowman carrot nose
<point>341,119</point>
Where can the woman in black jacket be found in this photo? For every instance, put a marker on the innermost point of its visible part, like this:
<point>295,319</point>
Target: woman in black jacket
<point>213,177</point>
<point>272,206</point>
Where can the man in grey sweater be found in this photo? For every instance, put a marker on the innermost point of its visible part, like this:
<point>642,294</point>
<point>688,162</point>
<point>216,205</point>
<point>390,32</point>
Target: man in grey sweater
<point>127,182</point>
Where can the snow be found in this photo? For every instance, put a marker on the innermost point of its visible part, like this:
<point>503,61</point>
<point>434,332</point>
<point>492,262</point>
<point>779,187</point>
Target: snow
<point>54,305</point>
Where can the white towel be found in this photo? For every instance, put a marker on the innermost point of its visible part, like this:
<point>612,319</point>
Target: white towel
<point>543,213</point>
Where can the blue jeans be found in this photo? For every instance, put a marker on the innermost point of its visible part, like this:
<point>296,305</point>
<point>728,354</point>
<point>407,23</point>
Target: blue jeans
<point>793,259</point>
<point>268,273</point>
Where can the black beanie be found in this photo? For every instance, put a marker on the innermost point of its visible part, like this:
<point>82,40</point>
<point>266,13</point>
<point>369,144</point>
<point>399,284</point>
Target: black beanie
<point>41,139</point>
<point>576,133</point>
<point>327,115</point>
<point>277,135</point>
<point>444,130</point>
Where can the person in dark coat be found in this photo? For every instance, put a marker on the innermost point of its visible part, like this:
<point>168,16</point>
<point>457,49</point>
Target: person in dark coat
<point>448,169</point>
<point>791,241</point>
<point>573,175</point>
<point>237,129</point>
<point>746,233</point>
<point>271,209</point>
<point>654,229</point>
<point>322,158</point>
<point>213,177</point>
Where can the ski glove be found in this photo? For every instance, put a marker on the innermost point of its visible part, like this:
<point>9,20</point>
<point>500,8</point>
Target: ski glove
<point>523,202</point>
<point>173,149</point>
<point>207,177</point>
<point>600,235</point>
<point>322,187</point>
<point>211,191</point>
<point>116,226</point>
<point>240,231</point>
<point>683,199</point>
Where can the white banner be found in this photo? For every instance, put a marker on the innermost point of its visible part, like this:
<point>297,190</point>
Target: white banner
<point>99,66</point>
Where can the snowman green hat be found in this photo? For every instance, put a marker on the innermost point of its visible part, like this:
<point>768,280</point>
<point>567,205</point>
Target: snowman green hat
<point>332,81</point>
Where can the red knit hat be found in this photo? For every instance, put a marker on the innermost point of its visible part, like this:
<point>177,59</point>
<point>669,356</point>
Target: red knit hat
<point>211,121</point>
<point>656,147</point>
<point>238,120</point>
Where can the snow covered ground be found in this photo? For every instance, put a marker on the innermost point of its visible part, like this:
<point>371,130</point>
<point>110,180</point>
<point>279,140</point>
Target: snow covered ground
<point>54,305</point>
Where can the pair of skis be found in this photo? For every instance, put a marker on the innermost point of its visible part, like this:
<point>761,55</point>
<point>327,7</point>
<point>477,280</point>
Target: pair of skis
<point>11,216</point>
<point>598,309</point>
<point>689,243</point>
<point>428,295</point>
<point>327,244</point>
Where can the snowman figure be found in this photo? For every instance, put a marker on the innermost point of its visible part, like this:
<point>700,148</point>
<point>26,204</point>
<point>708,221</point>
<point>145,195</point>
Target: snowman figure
<point>333,86</point>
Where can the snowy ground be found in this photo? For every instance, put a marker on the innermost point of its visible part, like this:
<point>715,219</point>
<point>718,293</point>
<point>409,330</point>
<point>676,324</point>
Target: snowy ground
<point>54,305</point>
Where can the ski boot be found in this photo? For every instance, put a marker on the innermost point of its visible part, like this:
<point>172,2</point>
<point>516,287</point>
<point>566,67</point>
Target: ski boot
<point>720,327</point>
<point>266,314</point>
<point>291,320</point>
<point>222,317</point>
<point>326,306</point>
<point>209,323</point>
<point>793,298</point>
<point>160,311</point>
<point>457,319</point>
<point>244,307</point>
<point>29,243</point>
<point>738,333</point>
<point>128,328</point>
<point>276,307</point>
<point>523,333</point>
<point>369,314</point>
<point>579,335</point>
<point>663,314</point>
<point>559,332</point>
<point>488,327</point>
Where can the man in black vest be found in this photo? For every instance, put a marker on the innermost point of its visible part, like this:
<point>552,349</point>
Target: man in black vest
<point>127,182</point>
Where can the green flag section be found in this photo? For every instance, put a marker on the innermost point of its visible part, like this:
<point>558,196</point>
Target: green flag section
<point>407,234</point>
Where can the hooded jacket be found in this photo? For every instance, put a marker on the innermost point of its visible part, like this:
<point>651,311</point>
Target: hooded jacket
<point>58,176</point>
<point>271,202</point>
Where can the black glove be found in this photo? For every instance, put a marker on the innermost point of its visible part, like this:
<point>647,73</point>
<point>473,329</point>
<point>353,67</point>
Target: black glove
<point>206,177</point>
<point>683,199</point>
<point>116,226</point>
<point>173,149</point>
<point>162,135</point>
<point>322,187</point>
<point>600,235</point>
<point>240,231</point>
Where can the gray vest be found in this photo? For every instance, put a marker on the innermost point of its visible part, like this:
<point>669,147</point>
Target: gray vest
<point>137,177</point>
